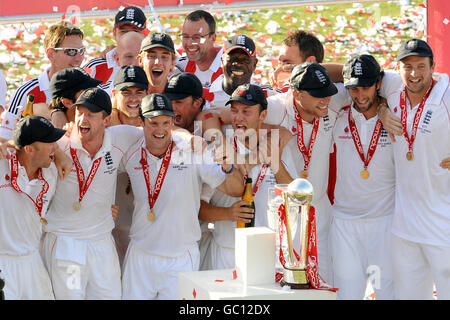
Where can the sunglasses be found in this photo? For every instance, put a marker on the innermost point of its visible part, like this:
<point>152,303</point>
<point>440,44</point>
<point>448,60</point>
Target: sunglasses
<point>72,51</point>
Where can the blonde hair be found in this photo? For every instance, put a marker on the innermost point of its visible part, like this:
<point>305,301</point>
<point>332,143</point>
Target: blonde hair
<point>56,34</point>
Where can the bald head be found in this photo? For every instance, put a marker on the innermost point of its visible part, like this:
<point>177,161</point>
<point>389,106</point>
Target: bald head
<point>128,48</point>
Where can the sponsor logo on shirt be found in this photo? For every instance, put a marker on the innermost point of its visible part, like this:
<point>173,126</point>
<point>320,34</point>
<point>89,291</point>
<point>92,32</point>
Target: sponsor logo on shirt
<point>424,128</point>
<point>327,125</point>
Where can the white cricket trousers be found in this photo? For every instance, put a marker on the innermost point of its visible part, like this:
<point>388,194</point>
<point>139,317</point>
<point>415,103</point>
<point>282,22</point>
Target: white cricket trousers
<point>417,266</point>
<point>361,253</point>
<point>96,279</point>
<point>150,277</point>
<point>221,257</point>
<point>25,277</point>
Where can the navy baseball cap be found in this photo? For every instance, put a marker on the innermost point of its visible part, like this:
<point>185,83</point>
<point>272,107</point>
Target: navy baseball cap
<point>130,76</point>
<point>95,99</point>
<point>156,104</point>
<point>35,129</point>
<point>241,41</point>
<point>414,47</point>
<point>312,78</point>
<point>182,85</point>
<point>71,79</point>
<point>158,40</point>
<point>361,70</point>
<point>250,95</point>
<point>131,15</point>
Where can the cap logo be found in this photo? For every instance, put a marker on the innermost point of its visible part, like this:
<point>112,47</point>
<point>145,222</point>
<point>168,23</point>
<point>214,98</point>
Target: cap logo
<point>172,82</point>
<point>411,44</point>
<point>158,36</point>
<point>131,73</point>
<point>358,69</point>
<point>130,14</point>
<point>321,76</point>
<point>160,102</point>
<point>241,40</point>
<point>249,97</point>
<point>46,122</point>
<point>89,93</point>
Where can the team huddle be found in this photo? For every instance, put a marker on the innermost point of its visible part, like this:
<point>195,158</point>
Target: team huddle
<point>131,168</point>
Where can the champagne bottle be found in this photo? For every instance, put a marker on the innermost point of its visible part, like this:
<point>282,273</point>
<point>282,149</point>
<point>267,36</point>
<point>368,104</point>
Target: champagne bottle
<point>248,196</point>
<point>28,111</point>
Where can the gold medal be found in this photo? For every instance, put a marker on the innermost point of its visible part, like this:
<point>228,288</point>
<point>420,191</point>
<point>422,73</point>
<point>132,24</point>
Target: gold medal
<point>76,206</point>
<point>304,174</point>
<point>44,221</point>
<point>409,155</point>
<point>151,216</point>
<point>365,174</point>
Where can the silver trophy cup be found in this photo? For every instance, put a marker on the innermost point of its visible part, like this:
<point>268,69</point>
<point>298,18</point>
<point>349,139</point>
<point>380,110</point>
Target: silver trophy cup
<point>299,193</point>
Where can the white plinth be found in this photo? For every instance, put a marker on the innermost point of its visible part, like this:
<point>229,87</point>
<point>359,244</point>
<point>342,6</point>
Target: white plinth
<point>221,285</point>
<point>255,255</point>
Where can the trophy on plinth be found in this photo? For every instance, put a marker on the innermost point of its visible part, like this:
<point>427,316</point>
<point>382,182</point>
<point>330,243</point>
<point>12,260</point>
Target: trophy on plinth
<point>296,198</point>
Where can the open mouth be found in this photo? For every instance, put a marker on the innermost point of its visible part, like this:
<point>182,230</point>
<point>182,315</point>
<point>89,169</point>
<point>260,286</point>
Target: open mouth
<point>133,106</point>
<point>84,129</point>
<point>178,118</point>
<point>156,73</point>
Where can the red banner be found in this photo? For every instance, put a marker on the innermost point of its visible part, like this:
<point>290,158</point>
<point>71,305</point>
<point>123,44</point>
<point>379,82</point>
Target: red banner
<point>438,32</point>
<point>10,8</point>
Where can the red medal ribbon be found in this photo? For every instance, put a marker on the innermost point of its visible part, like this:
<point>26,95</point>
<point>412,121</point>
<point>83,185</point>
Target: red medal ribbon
<point>161,174</point>
<point>38,204</point>
<point>82,186</point>
<point>373,141</point>
<point>300,141</point>
<point>404,115</point>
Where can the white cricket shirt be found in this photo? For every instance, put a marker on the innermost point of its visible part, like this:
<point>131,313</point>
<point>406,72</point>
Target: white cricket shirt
<point>176,226</point>
<point>20,226</point>
<point>355,197</point>
<point>94,220</point>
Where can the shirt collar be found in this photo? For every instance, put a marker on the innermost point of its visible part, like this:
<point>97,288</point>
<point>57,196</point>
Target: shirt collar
<point>111,62</point>
<point>44,81</point>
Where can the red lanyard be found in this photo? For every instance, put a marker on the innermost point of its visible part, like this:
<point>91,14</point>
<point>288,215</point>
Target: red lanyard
<point>159,180</point>
<point>261,175</point>
<point>404,116</point>
<point>38,204</point>
<point>373,142</point>
<point>306,152</point>
<point>82,185</point>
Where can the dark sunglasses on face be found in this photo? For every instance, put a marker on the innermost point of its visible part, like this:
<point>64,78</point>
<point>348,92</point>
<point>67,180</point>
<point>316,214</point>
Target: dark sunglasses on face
<point>72,51</point>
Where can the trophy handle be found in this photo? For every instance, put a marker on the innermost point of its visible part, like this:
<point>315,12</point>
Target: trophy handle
<point>288,228</point>
<point>304,229</point>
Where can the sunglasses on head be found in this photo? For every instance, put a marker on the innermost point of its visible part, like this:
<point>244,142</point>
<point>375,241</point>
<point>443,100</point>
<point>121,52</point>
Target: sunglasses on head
<point>72,51</point>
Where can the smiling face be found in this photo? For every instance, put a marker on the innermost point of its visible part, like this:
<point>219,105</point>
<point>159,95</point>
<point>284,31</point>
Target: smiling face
<point>90,125</point>
<point>246,120</point>
<point>43,153</point>
<point>416,73</point>
<point>185,112</point>
<point>128,100</point>
<point>364,97</point>
<point>60,60</point>
<point>197,50</point>
<point>238,68</point>
<point>157,132</point>
<point>157,64</point>
<point>310,107</point>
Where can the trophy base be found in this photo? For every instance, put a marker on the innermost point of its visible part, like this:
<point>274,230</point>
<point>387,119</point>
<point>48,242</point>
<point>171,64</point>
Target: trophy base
<point>295,285</point>
<point>295,278</point>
